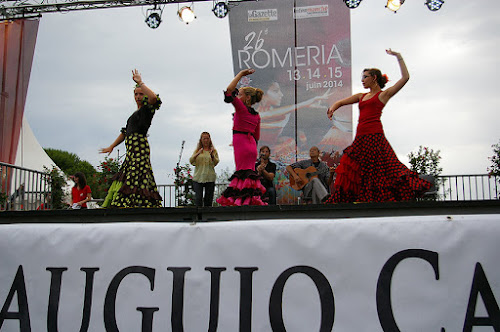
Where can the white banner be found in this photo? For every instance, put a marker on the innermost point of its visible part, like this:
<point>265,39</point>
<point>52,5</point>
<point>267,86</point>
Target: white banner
<point>429,273</point>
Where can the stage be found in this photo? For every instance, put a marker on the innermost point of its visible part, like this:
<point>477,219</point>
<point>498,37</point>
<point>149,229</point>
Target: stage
<point>214,214</point>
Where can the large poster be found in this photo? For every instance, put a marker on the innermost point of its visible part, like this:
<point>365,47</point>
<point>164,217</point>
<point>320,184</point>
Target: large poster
<point>422,273</point>
<point>301,52</point>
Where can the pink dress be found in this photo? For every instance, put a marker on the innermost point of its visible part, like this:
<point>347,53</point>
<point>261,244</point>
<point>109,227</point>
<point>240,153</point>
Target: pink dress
<point>245,187</point>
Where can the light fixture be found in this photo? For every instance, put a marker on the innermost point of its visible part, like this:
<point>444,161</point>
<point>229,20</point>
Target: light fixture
<point>394,5</point>
<point>220,9</point>
<point>434,5</point>
<point>153,21</point>
<point>153,17</point>
<point>186,14</point>
<point>351,4</point>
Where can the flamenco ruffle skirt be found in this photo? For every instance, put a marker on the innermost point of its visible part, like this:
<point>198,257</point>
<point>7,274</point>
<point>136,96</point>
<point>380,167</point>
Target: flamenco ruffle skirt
<point>244,188</point>
<point>134,185</point>
<point>369,171</point>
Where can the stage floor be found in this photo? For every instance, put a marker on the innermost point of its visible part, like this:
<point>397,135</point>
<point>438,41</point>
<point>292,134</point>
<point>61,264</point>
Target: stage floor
<point>219,214</point>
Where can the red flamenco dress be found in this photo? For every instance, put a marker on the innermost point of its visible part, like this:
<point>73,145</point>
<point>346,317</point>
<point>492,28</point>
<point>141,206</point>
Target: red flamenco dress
<point>245,187</point>
<point>369,170</point>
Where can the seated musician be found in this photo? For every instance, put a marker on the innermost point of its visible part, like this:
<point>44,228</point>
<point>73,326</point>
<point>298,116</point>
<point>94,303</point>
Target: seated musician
<point>267,169</point>
<point>316,181</point>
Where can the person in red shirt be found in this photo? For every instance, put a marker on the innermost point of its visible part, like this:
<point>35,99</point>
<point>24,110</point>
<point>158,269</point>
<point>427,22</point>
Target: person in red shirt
<point>369,170</point>
<point>81,192</point>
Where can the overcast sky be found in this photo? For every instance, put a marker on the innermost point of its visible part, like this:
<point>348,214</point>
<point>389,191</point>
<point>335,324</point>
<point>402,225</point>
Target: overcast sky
<point>81,92</point>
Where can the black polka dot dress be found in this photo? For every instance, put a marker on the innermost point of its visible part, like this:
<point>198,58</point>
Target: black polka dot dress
<point>369,170</point>
<point>134,185</point>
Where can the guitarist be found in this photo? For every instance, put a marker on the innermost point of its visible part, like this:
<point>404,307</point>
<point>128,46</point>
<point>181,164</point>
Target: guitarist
<point>317,187</point>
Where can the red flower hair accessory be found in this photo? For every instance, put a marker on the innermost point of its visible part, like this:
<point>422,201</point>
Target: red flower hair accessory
<point>386,77</point>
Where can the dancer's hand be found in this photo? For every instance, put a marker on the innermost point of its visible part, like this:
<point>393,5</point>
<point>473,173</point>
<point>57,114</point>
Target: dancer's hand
<point>329,112</point>
<point>136,76</point>
<point>391,52</point>
<point>246,72</point>
<point>107,150</point>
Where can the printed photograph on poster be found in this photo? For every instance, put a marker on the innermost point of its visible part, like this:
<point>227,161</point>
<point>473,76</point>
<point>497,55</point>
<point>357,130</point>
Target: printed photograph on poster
<point>301,52</point>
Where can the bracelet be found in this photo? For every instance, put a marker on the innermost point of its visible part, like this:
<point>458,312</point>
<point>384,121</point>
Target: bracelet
<point>400,59</point>
<point>138,85</point>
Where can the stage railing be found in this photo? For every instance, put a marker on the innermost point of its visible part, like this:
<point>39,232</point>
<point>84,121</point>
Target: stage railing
<point>470,187</point>
<point>23,189</point>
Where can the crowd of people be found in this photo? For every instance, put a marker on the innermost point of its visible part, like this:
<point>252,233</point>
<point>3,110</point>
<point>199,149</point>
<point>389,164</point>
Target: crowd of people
<point>368,170</point>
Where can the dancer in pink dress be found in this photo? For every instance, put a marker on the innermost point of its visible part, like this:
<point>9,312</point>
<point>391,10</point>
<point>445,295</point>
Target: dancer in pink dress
<point>245,187</point>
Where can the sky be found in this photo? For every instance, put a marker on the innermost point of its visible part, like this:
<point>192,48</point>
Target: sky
<point>81,90</point>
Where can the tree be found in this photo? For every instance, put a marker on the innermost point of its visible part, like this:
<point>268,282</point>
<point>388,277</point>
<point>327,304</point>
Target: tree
<point>184,185</point>
<point>426,161</point>
<point>70,163</point>
<point>98,180</point>
<point>57,182</point>
<point>494,169</point>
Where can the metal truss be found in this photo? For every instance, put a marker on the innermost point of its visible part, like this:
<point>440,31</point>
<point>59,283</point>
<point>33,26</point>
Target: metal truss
<point>17,9</point>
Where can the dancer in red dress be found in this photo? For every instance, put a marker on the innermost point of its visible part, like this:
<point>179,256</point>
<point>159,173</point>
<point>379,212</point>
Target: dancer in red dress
<point>245,187</point>
<point>369,170</point>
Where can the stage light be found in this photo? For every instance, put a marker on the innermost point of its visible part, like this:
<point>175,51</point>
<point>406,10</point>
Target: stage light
<point>434,5</point>
<point>153,20</point>
<point>351,4</point>
<point>394,5</point>
<point>186,14</point>
<point>220,9</point>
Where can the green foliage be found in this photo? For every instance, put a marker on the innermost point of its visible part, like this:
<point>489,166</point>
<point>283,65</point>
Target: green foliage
<point>98,180</point>
<point>3,198</point>
<point>184,185</point>
<point>494,169</point>
<point>426,161</point>
<point>56,182</point>
<point>102,179</point>
<point>70,163</point>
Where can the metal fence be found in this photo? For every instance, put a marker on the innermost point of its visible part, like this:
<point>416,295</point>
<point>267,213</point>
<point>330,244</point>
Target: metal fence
<point>468,187</point>
<point>449,188</point>
<point>23,189</point>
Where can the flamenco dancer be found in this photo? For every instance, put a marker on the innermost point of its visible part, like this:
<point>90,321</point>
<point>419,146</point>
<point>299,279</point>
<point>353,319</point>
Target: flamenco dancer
<point>245,187</point>
<point>134,185</point>
<point>369,170</point>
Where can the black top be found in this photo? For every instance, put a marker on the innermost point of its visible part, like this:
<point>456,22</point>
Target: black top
<point>270,168</point>
<point>140,120</point>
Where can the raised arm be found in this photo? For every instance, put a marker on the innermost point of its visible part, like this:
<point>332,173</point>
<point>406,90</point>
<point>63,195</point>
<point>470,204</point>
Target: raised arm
<point>339,103</point>
<point>405,76</point>
<point>140,84</point>
<point>232,86</point>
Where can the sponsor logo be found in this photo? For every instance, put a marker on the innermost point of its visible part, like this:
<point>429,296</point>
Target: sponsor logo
<point>260,15</point>
<point>310,11</point>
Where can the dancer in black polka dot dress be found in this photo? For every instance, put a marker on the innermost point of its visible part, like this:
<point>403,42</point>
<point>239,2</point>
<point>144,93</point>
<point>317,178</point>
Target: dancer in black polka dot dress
<point>369,170</point>
<point>134,185</point>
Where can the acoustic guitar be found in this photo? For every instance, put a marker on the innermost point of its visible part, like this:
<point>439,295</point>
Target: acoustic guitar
<point>305,175</point>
